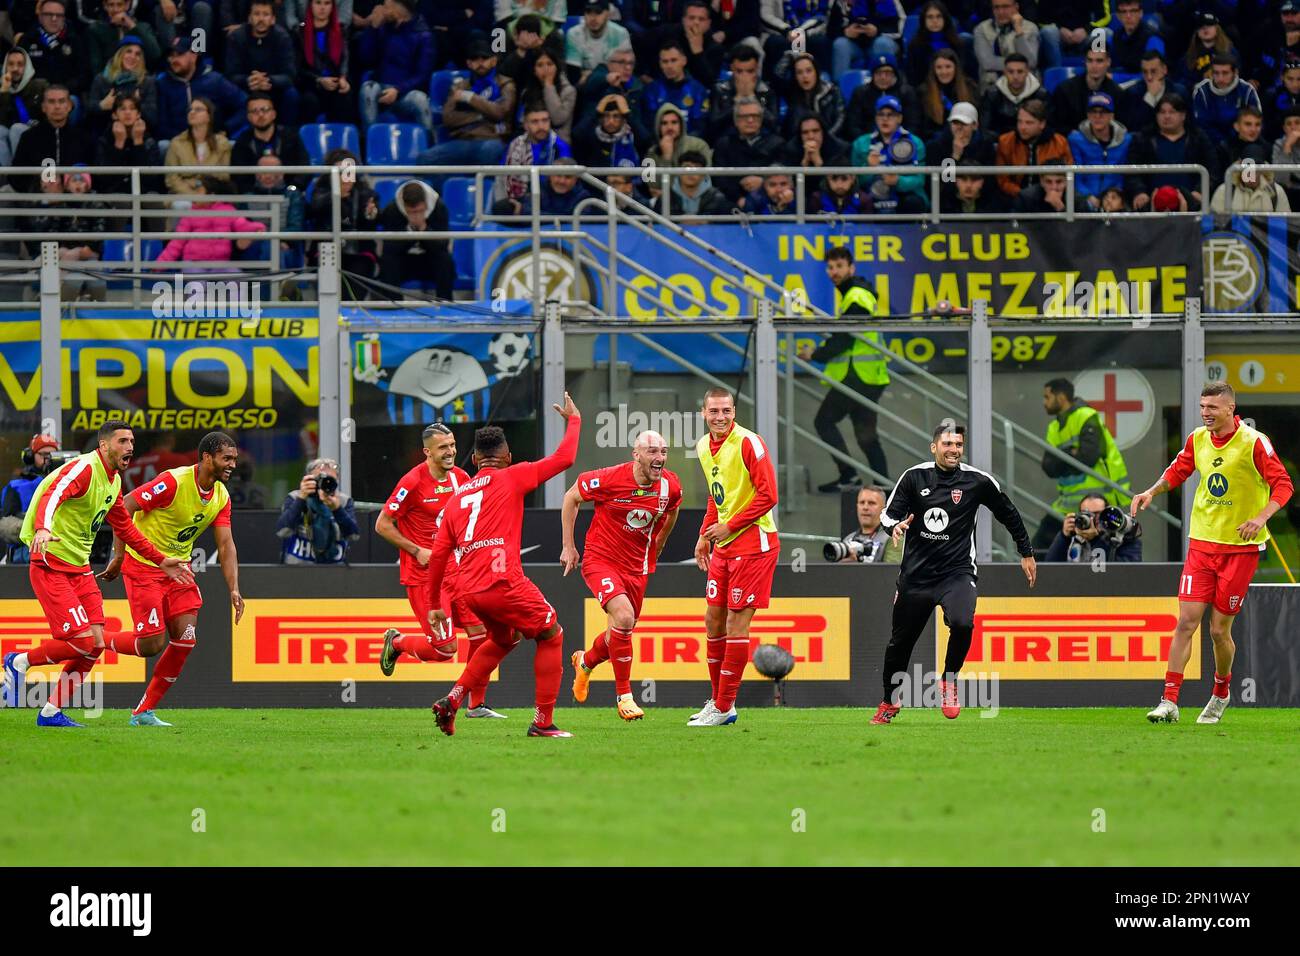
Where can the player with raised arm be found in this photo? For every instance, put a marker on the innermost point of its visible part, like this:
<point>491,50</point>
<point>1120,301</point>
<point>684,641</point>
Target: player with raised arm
<point>482,524</point>
<point>636,507</point>
<point>64,516</point>
<point>938,567</point>
<point>738,548</point>
<point>1243,484</point>
<point>172,511</point>
<point>409,521</point>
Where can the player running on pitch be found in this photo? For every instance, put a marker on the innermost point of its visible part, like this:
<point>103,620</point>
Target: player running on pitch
<point>740,527</point>
<point>483,523</point>
<point>64,516</point>
<point>408,522</point>
<point>1243,484</point>
<point>938,566</point>
<point>172,511</point>
<point>636,507</point>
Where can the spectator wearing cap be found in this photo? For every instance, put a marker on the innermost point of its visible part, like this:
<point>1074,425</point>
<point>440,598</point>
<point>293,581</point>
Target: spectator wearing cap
<point>617,76</point>
<point>960,139</point>
<point>862,30</point>
<point>590,43</point>
<point>678,87</point>
<point>670,139</point>
<point>885,80</point>
<point>1004,33</point>
<point>1069,106</point>
<point>1247,130</point>
<point>971,193</point>
<point>417,208</point>
<point>1001,101</point>
<point>57,51</point>
<point>1208,42</point>
<point>184,80</point>
<point>1136,107</point>
<point>946,86</point>
<point>16,496</point>
<point>117,22</point>
<point>745,80</point>
<point>1099,141</point>
<point>891,145</point>
<point>610,140</point>
<point>1031,143</point>
<point>747,145</point>
<point>1286,151</point>
<point>260,59</point>
<point>53,138</point>
<point>809,94</point>
<point>266,137</point>
<point>812,148</point>
<point>1133,37</point>
<point>1282,98</point>
<point>399,48</point>
<point>123,75</point>
<point>1216,101</point>
<point>1253,189</point>
<point>549,84</point>
<point>476,115</point>
<point>320,43</point>
<point>1172,141</point>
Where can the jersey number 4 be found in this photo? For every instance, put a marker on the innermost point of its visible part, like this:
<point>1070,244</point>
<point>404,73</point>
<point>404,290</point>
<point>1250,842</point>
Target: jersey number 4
<point>474,502</point>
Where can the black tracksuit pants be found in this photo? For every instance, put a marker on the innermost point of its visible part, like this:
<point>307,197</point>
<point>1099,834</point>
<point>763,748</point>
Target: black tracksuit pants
<point>913,605</point>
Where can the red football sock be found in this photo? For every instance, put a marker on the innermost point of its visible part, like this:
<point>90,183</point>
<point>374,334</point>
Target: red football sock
<point>620,656</point>
<point>165,670</point>
<point>1173,684</point>
<point>74,672</point>
<point>480,668</point>
<point>124,642</point>
<point>548,668</point>
<point>478,693</point>
<point>421,648</point>
<point>598,652</point>
<point>1222,682</point>
<point>731,672</point>
<point>56,652</point>
<point>717,647</point>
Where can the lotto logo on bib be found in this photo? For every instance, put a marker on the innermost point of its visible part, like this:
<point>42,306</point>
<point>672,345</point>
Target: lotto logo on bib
<point>935,521</point>
<point>23,627</point>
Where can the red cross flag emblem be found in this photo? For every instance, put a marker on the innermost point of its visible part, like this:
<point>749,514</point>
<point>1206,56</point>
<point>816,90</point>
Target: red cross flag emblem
<point>1124,399</point>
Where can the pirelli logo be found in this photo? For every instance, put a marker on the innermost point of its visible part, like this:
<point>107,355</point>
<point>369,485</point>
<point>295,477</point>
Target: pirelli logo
<point>669,642</point>
<point>329,639</point>
<point>23,627</point>
<point>1052,638</point>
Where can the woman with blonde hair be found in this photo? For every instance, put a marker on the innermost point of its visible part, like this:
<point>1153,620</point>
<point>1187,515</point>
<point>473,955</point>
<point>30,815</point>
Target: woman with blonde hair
<point>125,74</point>
<point>203,144</point>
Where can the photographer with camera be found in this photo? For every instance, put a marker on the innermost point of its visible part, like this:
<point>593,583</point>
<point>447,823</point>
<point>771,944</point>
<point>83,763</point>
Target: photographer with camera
<point>317,521</point>
<point>870,543</point>
<point>1097,527</point>
<point>17,495</point>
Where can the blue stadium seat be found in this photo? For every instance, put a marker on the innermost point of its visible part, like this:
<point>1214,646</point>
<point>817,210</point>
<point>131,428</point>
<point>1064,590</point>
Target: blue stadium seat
<point>1125,80</point>
<point>462,253</point>
<point>1056,75</point>
<point>386,189</point>
<point>852,79</point>
<point>1072,60</point>
<point>320,138</point>
<point>910,26</point>
<point>571,22</point>
<point>394,144</point>
<point>458,194</point>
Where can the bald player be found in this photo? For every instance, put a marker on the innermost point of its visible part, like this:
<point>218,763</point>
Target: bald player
<point>636,507</point>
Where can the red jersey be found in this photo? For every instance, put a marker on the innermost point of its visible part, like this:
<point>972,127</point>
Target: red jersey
<point>416,507</point>
<point>1267,464</point>
<point>628,515</point>
<point>753,540</point>
<point>484,519</point>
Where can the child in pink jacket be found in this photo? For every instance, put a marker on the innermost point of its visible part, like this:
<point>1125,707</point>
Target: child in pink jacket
<point>181,249</point>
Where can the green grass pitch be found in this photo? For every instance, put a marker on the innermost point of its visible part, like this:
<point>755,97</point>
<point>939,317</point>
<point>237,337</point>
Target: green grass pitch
<point>781,787</point>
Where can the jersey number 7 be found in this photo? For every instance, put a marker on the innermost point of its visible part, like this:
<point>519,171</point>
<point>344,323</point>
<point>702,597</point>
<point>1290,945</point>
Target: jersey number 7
<point>474,502</point>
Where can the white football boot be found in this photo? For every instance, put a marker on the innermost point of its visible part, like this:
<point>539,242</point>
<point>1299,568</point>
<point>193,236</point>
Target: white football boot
<point>1165,712</point>
<point>708,708</point>
<point>715,717</point>
<point>1213,710</point>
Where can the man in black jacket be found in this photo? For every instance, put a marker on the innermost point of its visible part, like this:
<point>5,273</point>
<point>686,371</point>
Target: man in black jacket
<point>1172,141</point>
<point>53,139</point>
<point>417,208</point>
<point>1070,101</point>
<point>260,59</point>
<point>265,138</point>
<point>746,145</point>
<point>57,51</point>
<point>860,116</point>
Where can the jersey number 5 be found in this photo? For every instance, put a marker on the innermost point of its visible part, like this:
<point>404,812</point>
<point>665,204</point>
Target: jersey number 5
<point>474,502</point>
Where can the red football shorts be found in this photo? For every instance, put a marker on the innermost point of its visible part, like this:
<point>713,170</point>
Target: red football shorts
<point>418,597</point>
<point>741,582</point>
<point>71,602</point>
<point>508,606</point>
<point>607,582</point>
<point>155,598</point>
<point>1218,578</point>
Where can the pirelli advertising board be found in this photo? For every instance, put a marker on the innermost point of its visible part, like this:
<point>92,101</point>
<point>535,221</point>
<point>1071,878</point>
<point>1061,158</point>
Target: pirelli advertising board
<point>23,627</point>
<point>311,637</point>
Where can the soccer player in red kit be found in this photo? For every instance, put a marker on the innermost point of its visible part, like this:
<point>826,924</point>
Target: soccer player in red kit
<point>409,522</point>
<point>740,528</point>
<point>636,508</point>
<point>1243,484</point>
<point>64,516</point>
<point>482,523</point>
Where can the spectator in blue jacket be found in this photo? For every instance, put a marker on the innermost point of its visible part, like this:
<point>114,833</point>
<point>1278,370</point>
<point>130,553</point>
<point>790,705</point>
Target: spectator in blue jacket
<point>186,80</point>
<point>678,87</point>
<point>317,522</point>
<point>1217,101</point>
<point>260,59</point>
<point>1099,141</point>
<point>399,48</point>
